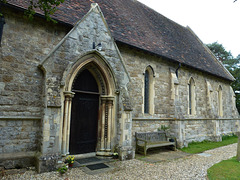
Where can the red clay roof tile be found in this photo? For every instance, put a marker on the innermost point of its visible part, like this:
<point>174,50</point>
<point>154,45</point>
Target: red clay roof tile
<point>137,25</point>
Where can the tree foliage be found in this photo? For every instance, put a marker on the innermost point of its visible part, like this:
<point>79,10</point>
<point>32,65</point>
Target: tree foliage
<point>232,64</point>
<point>219,51</point>
<point>48,7</point>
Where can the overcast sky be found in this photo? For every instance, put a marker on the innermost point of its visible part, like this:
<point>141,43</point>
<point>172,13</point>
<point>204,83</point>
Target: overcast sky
<point>211,20</point>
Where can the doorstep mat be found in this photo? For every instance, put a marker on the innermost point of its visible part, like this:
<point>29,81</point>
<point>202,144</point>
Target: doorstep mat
<point>88,160</point>
<point>97,166</point>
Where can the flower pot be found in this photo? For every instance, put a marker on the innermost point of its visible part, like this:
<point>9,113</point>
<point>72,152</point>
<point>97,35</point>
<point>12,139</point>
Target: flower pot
<point>115,156</point>
<point>70,165</point>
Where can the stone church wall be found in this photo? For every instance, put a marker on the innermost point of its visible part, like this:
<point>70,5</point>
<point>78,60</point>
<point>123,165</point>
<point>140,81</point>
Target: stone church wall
<point>23,46</point>
<point>228,126</point>
<point>19,135</point>
<point>188,130</point>
<point>136,64</point>
<point>171,100</point>
<point>167,106</point>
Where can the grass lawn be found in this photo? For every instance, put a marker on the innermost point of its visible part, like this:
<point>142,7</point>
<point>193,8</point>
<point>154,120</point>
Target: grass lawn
<point>198,147</point>
<point>227,169</point>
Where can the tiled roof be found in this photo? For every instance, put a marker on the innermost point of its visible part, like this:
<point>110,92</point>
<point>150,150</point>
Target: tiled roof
<point>137,25</point>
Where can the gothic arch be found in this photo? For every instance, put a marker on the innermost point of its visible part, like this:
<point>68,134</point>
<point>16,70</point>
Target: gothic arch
<point>104,76</point>
<point>191,80</point>
<point>220,101</point>
<point>148,103</point>
<point>98,66</point>
<point>191,97</point>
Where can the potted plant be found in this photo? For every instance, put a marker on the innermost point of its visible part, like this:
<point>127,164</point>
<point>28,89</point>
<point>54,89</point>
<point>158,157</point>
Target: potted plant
<point>62,169</point>
<point>164,128</point>
<point>70,160</point>
<point>115,155</point>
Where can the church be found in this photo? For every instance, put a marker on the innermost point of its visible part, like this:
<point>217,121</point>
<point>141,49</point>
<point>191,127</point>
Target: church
<point>106,70</point>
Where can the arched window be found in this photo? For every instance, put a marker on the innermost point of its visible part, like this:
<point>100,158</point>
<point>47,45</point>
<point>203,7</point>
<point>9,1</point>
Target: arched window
<point>191,97</point>
<point>220,103</point>
<point>148,91</point>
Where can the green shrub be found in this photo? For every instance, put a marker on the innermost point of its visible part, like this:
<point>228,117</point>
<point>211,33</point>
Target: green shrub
<point>62,169</point>
<point>228,136</point>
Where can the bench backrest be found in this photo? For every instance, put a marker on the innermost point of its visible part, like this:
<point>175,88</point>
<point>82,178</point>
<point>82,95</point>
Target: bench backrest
<point>152,136</point>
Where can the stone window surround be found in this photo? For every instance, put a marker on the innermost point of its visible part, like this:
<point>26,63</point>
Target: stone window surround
<point>151,73</point>
<point>220,101</point>
<point>191,97</point>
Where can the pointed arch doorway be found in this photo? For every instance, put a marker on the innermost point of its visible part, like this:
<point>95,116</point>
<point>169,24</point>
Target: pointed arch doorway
<point>84,115</point>
<point>89,111</point>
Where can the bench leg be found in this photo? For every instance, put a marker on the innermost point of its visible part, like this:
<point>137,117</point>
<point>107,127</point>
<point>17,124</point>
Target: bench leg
<point>174,148</point>
<point>145,151</point>
<point>136,146</point>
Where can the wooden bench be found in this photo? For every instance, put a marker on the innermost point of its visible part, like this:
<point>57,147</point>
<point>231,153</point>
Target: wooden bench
<point>146,140</point>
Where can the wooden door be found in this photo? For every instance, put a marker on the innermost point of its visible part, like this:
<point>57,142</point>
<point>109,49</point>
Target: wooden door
<point>84,115</point>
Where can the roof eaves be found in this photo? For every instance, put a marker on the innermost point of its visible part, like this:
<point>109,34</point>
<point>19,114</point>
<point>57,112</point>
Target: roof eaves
<point>214,57</point>
<point>227,76</point>
<point>36,14</point>
<point>147,51</point>
<point>172,60</point>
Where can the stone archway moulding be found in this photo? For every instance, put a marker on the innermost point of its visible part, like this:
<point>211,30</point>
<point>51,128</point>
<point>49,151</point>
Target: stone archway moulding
<point>89,57</point>
<point>107,85</point>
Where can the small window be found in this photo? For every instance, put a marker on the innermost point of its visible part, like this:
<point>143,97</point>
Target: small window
<point>220,103</point>
<point>148,91</point>
<point>191,97</point>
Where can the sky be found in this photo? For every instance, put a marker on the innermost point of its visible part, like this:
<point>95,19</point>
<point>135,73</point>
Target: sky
<point>210,20</point>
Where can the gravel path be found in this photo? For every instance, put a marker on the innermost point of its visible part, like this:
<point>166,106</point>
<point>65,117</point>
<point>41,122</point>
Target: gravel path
<point>190,167</point>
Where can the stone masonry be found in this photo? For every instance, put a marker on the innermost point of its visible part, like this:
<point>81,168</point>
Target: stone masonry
<point>24,44</point>
<point>172,111</point>
<point>38,64</point>
<point>58,64</point>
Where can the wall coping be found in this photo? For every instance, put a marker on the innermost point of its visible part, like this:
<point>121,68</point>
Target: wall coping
<point>175,119</point>
<point>19,118</point>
